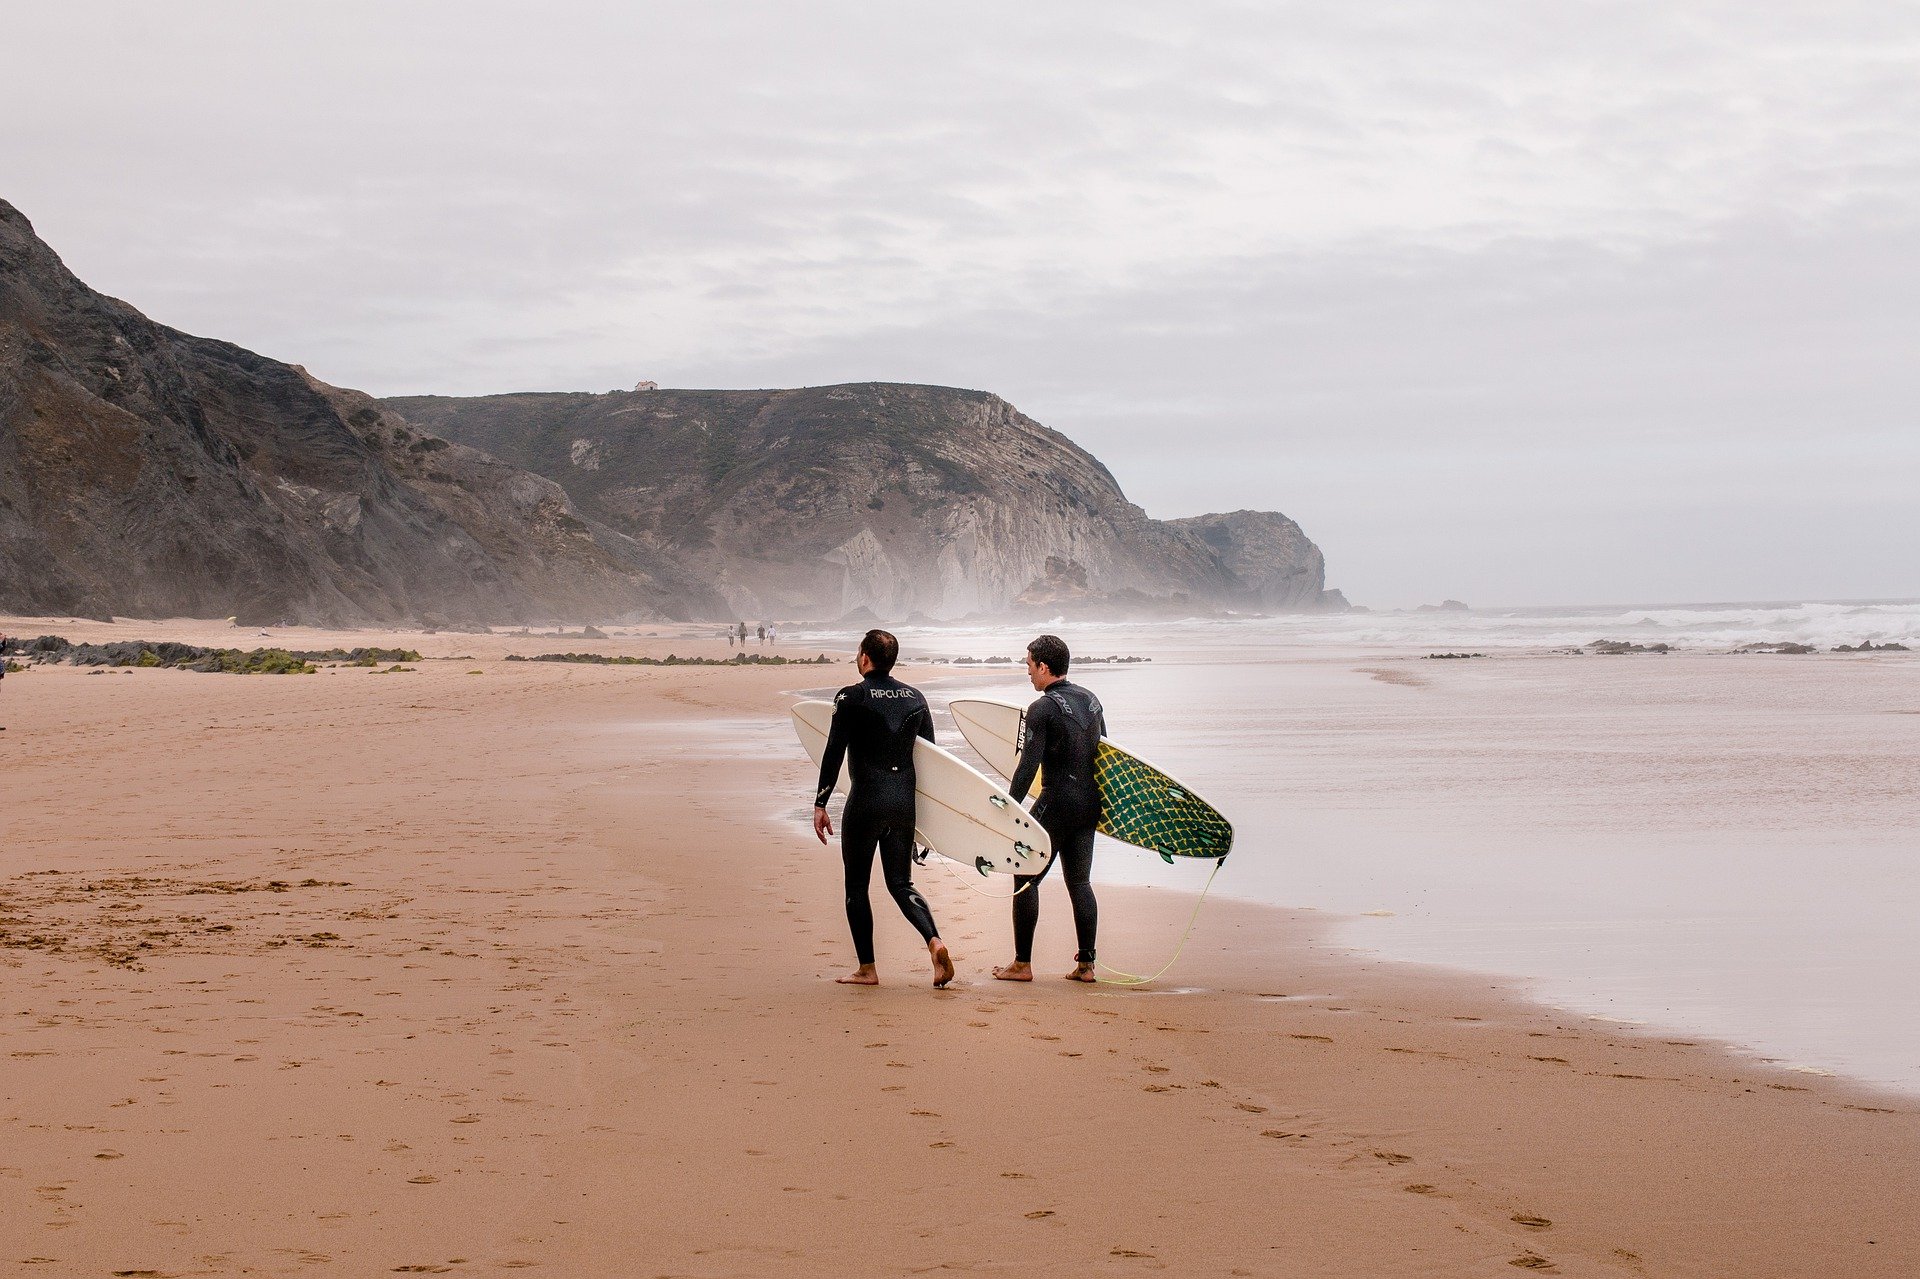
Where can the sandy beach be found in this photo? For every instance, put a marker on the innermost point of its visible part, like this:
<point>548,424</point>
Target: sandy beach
<point>487,966</point>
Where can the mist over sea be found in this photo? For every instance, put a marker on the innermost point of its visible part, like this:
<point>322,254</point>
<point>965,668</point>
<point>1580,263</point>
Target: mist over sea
<point>1709,842</point>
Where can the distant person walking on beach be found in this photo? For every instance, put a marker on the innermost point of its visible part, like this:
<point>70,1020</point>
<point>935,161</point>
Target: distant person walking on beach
<point>3,668</point>
<point>876,722</point>
<point>743,635</point>
<point>762,628</point>
<point>1063,730</point>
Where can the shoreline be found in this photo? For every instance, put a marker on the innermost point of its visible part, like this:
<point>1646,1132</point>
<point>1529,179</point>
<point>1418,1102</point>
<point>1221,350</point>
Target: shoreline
<point>541,989</point>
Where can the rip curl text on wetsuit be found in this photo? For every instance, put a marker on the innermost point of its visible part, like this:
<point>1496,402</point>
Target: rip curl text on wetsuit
<point>875,724</point>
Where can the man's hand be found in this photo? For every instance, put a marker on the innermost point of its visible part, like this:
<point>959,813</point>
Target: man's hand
<point>822,824</point>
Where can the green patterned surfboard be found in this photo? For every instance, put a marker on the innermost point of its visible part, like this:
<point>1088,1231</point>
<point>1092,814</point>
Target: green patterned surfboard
<point>1139,804</point>
<point>1143,806</point>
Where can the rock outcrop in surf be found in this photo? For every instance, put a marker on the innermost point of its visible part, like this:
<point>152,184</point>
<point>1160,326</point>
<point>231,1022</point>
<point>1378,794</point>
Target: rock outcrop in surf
<point>880,499</point>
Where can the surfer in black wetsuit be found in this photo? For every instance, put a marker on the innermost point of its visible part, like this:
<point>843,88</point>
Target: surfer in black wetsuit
<point>1060,735</point>
<point>876,722</point>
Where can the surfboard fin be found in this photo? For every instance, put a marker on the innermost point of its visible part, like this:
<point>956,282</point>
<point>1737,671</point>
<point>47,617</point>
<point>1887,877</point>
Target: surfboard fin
<point>1165,856</point>
<point>982,865</point>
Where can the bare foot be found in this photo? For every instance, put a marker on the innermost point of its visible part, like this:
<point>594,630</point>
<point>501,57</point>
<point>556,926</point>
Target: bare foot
<point>1082,972</point>
<point>1018,970</point>
<point>864,975</point>
<point>942,963</point>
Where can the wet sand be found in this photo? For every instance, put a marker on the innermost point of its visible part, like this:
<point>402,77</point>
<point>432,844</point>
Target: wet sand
<point>441,972</point>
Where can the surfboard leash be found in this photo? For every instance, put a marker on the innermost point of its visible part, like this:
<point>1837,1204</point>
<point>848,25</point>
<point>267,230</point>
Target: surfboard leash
<point>1129,979</point>
<point>975,888</point>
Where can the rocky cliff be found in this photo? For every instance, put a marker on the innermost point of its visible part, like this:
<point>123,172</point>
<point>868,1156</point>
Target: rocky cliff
<point>1273,564</point>
<point>145,471</point>
<point>895,499</point>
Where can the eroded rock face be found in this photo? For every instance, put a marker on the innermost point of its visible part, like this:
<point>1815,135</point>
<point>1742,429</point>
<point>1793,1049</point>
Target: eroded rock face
<point>893,499</point>
<point>1273,563</point>
<point>147,472</point>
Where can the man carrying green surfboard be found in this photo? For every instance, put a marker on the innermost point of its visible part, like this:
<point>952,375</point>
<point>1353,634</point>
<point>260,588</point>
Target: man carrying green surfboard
<point>1061,735</point>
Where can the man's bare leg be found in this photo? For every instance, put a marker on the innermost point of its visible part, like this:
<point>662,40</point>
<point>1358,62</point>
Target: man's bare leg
<point>1018,970</point>
<point>942,962</point>
<point>1082,972</point>
<point>864,975</point>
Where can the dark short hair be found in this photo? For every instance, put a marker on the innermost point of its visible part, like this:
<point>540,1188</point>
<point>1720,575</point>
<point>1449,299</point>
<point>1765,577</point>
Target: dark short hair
<point>882,649</point>
<point>1051,652</point>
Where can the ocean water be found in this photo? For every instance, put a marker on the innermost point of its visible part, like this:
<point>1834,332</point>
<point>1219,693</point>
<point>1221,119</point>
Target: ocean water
<point>1824,624</point>
<point>1713,843</point>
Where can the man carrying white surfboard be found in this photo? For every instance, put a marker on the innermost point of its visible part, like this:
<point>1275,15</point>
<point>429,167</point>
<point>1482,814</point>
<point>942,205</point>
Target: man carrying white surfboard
<point>876,722</point>
<point>1061,735</point>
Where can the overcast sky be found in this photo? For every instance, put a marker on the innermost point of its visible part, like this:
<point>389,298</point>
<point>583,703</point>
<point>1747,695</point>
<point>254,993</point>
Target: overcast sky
<point>1511,302</point>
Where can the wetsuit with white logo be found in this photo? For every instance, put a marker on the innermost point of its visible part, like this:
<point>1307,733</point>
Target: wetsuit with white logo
<point>1060,735</point>
<point>875,724</point>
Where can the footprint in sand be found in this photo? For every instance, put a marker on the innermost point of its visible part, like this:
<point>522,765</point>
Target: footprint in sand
<point>1532,1222</point>
<point>1249,1107</point>
<point>1533,1261</point>
<point>1035,1216</point>
<point>1392,1157</point>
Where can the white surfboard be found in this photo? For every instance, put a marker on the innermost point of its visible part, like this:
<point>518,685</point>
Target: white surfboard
<point>959,812</point>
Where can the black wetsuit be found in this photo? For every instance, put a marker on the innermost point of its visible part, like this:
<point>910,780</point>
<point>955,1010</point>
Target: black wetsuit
<point>876,722</point>
<point>1061,734</point>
